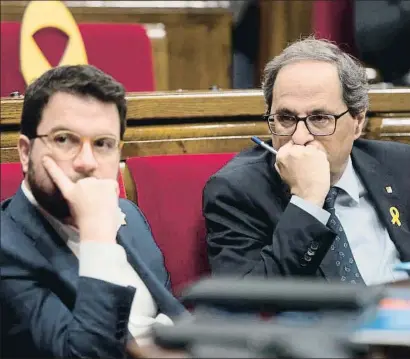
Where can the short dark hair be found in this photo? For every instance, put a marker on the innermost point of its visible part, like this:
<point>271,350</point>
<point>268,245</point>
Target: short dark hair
<point>83,80</point>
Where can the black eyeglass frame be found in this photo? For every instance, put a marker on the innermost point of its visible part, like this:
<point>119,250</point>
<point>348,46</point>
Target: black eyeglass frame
<point>304,119</point>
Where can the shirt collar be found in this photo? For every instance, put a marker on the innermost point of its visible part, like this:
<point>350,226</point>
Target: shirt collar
<point>349,182</point>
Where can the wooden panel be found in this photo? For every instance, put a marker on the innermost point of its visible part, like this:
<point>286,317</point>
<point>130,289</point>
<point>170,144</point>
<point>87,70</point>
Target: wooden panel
<point>190,105</point>
<point>372,128</point>
<point>10,111</point>
<point>188,146</point>
<point>201,130</point>
<point>159,42</point>
<point>211,122</point>
<point>199,40</point>
<point>166,147</point>
<point>152,133</point>
<point>171,139</point>
<point>395,129</point>
<point>389,128</point>
<point>282,22</point>
<point>129,183</point>
<point>393,100</point>
<point>9,155</point>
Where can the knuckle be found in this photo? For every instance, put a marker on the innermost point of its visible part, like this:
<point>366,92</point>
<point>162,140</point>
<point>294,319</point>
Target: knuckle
<point>112,182</point>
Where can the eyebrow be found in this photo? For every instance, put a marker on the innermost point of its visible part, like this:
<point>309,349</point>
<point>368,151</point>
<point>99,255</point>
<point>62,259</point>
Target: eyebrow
<point>316,111</point>
<point>59,128</point>
<point>285,111</point>
<point>321,110</point>
<point>63,128</point>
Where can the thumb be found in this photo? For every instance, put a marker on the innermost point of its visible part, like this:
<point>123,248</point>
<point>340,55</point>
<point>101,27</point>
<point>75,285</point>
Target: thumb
<point>277,168</point>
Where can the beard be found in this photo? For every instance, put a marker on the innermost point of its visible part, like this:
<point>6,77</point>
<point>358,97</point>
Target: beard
<point>52,199</point>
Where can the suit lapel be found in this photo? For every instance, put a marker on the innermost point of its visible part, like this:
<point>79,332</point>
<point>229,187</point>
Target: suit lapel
<point>64,263</point>
<point>279,187</point>
<point>385,195</point>
<point>46,240</point>
<point>163,298</point>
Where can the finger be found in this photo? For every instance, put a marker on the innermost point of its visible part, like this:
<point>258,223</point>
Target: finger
<point>287,146</point>
<point>57,175</point>
<point>277,168</point>
<point>113,184</point>
<point>117,188</point>
<point>316,145</point>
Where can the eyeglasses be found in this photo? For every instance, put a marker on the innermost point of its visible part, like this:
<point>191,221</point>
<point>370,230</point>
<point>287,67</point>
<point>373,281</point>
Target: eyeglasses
<point>318,124</point>
<point>66,144</point>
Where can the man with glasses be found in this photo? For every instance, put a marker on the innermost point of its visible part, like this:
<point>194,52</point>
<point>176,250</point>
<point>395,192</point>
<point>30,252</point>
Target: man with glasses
<point>81,275</point>
<point>329,204</point>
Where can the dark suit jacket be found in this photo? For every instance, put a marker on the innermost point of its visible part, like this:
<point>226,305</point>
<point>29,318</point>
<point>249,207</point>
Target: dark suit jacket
<point>47,310</point>
<point>254,230</point>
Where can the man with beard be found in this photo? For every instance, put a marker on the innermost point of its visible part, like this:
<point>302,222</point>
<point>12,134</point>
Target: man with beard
<point>81,275</point>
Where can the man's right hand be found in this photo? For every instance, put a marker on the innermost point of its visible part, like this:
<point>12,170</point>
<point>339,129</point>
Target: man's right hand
<point>93,203</point>
<point>306,170</point>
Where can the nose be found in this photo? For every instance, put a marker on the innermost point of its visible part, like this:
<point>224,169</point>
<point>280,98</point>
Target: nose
<point>302,135</point>
<point>85,161</point>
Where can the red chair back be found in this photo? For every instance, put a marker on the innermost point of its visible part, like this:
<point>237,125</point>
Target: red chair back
<point>169,190</point>
<point>12,175</point>
<point>122,50</point>
<point>10,179</point>
<point>334,20</point>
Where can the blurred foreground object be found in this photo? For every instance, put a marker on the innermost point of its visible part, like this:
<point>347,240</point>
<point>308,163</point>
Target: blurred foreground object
<point>338,310</point>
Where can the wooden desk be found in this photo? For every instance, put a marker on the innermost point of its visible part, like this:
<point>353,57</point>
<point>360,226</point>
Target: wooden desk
<point>211,121</point>
<point>199,40</point>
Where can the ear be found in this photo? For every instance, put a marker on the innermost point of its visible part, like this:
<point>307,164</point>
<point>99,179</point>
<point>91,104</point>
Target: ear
<point>360,121</point>
<point>24,148</point>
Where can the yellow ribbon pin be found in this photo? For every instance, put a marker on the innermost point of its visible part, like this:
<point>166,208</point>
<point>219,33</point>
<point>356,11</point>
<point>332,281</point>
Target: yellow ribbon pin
<point>395,216</point>
<point>39,15</point>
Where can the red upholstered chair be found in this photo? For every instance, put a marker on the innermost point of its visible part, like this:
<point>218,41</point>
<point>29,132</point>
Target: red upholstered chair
<point>169,190</point>
<point>121,185</point>
<point>121,50</point>
<point>11,177</point>
<point>334,20</point>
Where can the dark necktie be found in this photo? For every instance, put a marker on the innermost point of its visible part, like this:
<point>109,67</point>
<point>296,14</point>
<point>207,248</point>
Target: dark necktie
<point>344,261</point>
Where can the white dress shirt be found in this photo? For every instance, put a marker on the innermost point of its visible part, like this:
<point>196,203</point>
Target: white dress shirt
<point>373,250</point>
<point>108,262</point>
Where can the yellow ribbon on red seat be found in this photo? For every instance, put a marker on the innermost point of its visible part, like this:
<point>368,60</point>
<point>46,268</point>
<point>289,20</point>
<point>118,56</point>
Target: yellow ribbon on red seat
<point>39,15</point>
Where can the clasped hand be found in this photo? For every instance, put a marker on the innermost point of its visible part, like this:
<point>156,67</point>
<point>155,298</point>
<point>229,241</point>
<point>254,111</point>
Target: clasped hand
<point>306,170</point>
<point>93,203</point>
